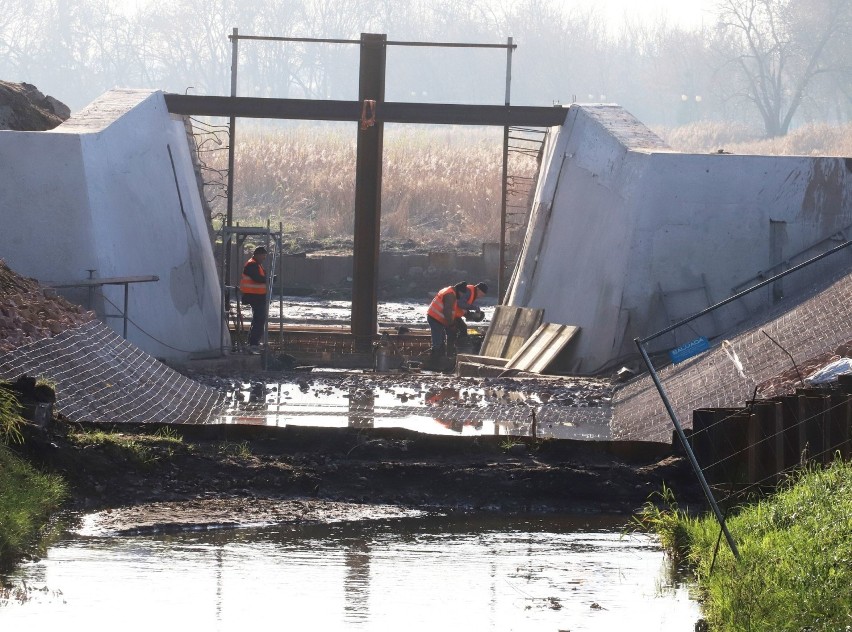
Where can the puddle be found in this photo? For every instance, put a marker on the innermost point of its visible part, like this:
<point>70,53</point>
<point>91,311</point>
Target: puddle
<point>572,411</point>
<point>414,574</point>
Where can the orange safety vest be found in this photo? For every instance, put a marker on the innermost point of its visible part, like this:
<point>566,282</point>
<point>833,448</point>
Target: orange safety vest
<point>436,307</point>
<point>249,285</point>
<point>458,312</point>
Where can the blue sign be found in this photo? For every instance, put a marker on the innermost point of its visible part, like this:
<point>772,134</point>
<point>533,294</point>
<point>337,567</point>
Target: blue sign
<point>691,348</point>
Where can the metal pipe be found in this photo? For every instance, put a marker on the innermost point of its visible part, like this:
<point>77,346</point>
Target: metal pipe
<point>688,449</point>
<point>323,40</point>
<point>232,138</point>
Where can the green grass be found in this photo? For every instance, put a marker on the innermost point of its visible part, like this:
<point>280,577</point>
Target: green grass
<point>10,418</point>
<point>142,449</point>
<point>238,449</point>
<point>27,498</point>
<point>795,571</point>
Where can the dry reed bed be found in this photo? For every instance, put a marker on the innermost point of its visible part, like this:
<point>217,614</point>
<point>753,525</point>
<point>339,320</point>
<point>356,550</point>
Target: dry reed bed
<point>441,184</point>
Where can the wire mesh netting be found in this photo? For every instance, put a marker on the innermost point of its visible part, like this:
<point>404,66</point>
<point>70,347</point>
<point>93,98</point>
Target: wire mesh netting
<point>100,377</point>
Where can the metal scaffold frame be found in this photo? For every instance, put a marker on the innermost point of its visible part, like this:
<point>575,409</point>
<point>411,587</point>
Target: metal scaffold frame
<point>273,242</point>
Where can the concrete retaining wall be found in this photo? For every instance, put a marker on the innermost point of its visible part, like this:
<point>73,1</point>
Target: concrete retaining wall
<point>113,190</point>
<point>401,275</point>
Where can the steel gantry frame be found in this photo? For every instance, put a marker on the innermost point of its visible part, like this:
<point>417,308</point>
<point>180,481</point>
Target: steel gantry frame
<point>371,111</point>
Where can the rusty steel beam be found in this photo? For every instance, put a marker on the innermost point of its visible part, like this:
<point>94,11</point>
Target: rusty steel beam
<point>389,112</point>
<point>368,191</point>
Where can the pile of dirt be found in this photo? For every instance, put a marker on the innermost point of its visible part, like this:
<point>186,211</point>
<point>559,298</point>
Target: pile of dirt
<point>24,108</point>
<point>29,312</point>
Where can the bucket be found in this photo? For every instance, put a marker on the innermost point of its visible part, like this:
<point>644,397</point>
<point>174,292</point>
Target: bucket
<point>383,359</point>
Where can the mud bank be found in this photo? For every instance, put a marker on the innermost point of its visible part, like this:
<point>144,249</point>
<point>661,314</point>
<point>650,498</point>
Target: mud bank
<point>198,477</point>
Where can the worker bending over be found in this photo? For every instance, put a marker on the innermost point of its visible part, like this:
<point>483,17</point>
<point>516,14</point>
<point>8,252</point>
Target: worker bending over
<point>253,288</point>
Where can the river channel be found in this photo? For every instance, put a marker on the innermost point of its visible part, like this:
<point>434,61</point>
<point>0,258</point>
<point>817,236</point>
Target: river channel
<point>423,573</point>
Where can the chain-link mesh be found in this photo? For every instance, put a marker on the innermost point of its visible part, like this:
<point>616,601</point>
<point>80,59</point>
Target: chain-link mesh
<point>101,377</point>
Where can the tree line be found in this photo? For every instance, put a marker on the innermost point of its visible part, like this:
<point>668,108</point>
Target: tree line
<point>773,64</point>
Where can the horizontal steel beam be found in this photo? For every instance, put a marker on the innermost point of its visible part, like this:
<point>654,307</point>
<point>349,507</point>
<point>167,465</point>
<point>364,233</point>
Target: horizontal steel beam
<point>388,112</point>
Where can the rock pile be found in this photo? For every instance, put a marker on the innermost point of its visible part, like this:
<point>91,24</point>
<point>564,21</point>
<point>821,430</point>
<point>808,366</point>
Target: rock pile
<point>29,312</point>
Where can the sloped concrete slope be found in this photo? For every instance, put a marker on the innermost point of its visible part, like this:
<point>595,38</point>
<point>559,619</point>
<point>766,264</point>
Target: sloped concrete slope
<point>100,377</point>
<point>627,236</point>
<point>112,191</point>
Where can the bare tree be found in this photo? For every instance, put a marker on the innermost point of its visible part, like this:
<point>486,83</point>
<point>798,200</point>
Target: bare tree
<point>774,49</point>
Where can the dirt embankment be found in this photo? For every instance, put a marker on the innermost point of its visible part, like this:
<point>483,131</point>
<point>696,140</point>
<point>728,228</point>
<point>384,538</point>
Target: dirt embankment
<point>29,312</point>
<point>24,108</point>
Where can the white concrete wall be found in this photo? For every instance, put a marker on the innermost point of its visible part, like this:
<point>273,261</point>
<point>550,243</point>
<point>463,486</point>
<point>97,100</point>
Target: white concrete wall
<point>104,192</point>
<point>620,220</point>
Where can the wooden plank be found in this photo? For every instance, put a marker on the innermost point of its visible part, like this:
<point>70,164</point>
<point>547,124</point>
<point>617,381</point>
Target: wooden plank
<point>509,329</point>
<point>478,359</point>
<point>536,354</point>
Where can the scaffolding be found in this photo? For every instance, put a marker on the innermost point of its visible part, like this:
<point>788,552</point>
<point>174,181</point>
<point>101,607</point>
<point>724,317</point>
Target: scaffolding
<point>234,238</point>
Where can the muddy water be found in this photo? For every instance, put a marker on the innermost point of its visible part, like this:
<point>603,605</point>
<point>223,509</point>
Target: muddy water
<point>412,574</point>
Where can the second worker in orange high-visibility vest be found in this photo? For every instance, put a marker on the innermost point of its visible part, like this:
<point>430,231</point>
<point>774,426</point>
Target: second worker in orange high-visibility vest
<point>253,289</point>
<point>441,317</point>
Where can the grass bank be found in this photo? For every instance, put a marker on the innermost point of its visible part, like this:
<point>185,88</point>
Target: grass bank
<point>795,571</point>
<point>27,498</point>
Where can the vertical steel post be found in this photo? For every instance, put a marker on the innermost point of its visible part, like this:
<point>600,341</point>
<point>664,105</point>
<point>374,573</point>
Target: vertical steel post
<point>501,275</point>
<point>232,131</point>
<point>368,189</point>
<point>126,304</point>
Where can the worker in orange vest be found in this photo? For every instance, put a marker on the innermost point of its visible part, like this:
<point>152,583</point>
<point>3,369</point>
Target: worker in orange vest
<point>445,315</point>
<point>253,289</point>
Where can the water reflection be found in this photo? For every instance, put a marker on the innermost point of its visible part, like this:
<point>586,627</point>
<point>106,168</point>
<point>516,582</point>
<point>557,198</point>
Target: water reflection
<point>420,406</point>
<point>413,574</point>
<point>362,408</point>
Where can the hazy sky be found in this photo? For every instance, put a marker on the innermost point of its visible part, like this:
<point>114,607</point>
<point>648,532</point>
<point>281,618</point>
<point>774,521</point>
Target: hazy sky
<point>687,13</point>
<point>682,12</point>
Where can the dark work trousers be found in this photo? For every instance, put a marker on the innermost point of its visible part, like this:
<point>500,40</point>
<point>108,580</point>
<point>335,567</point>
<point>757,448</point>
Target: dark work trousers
<point>258,316</point>
<point>441,336</point>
